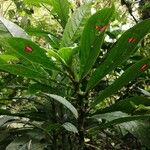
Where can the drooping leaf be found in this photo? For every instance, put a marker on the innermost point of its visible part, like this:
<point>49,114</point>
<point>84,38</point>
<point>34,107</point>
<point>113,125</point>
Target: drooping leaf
<point>21,70</point>
<point>139,126</point>
<point>74,24</point>
<point>122,50</point>
<point>92,38</point>
<point>126,105</point>
<point>130,74</point>
<point>64,102</point>
<point>8,29</point>
<point>24,143</point>
<point>27,50</point>
<point>118,117</point>
<point>70,127</point>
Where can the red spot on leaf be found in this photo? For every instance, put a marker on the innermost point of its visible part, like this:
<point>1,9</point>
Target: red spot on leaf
<point>97,27</point>
<point>144,67</point>
<point>131,40</point>
<point>104,27</point>
<point>101,29</point>
<point>28,49</point>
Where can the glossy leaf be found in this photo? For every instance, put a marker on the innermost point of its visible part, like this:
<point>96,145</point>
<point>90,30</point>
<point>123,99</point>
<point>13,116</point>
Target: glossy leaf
<point>28,51</point>
<point>126,105</point>
<point>118,117</point>
<point>70,127</point>
<point>74,24</point>
<point>130,74</point>
<point>92,39</point>
<point>120,52</point>
<point>8,29</point>
<point>65,103</point>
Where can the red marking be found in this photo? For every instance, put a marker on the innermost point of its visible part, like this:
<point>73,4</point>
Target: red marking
<point>131,40</point>
<point>97,27</point>
<point>28,49</point>
<point>144,67</point>
<point>101,29</point>
<point>104,27</point>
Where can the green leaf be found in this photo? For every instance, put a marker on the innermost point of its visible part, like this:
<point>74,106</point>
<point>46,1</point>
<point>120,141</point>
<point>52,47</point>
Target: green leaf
<point>22,71</point>
<point>70,127</point>
<point>118,117</point>
<point>130,74</point>
<point>17,47</point>
<point>67,54</point>
<point>65,103</point>
<point>126,105</point>
<point>8,58</point>
<point>8,29</point>
<point>61,8</point>
<point>120,52</point>
<point>74,24</point>
<point>91,39</point>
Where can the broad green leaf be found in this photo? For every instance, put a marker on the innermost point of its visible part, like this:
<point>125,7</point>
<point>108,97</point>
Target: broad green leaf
<point>118,117</point>
<point>120,52</point>
<point>17,47</point>
<point>65,103</point>
<point>8,29</point>
<point>130,74</point>
<point>126,105</point>
<point>74,24</point>
<point>70,127</point>
<point>92,38</point>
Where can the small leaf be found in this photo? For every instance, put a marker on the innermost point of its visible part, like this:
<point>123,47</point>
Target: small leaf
<point>130,74</point>
<point>65,103</point>
<point>70,127</point>
<point>122,50</point>
<point>67,54</point>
